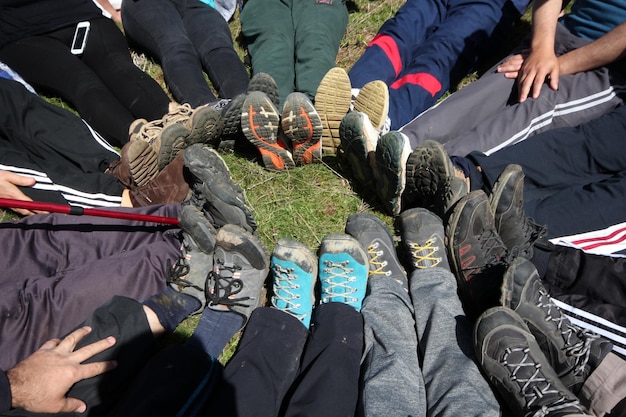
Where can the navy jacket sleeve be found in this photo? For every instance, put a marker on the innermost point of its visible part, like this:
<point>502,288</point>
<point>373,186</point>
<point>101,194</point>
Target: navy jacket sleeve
<point>5,392</point>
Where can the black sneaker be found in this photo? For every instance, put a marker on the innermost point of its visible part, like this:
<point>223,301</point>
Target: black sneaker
<point>431,179</point>
<point>231,116</point>
<point>265,84</point>
<point>478,256</point>
<point>214,189</point>
<point>517,231</point>
<point>516,367</point>
<point>190,272</point>
<point>572,351</point>
<point>423,238</point>
<point>240,267</point>
<point>375,237</point>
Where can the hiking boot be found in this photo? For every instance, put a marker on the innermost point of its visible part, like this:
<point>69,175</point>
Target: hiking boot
<point>516,367</point>
<point>294,269</point>
<point>137,165</point>
<point>231,116</point>
<point>431,178</point>
<point>517,231</point>
<point>189,274</point>
<point>343,268</point>
<point>214,189</point>
<point>373,100</point>
<point>205,126</point>
<point>170,141</point>
<point>390,170</point>
<point>135,128</point>
<point>259,123</point>
<point>478,256</point>
<point>168,187</point>
<point>573,352</point>
<point>423,238</point>
<point>240,267</point>
<point>374,235</point>
<point>303,127</point>
<point>358,143</point>
<point>332,102</point>
<point>265,84</point>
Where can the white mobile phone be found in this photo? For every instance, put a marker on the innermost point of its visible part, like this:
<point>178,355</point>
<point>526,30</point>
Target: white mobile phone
<point>80,38</point>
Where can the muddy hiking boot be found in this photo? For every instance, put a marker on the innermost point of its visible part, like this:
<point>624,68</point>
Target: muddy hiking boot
<point>423,239</point>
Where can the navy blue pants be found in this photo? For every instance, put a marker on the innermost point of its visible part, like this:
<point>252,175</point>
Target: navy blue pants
<point>429,46</point>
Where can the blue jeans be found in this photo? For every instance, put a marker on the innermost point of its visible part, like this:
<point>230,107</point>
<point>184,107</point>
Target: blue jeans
<point>187,37</point>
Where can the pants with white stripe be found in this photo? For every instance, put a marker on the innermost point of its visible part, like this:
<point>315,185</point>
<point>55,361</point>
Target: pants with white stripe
<point>486,116</point>
<point>57,148</point>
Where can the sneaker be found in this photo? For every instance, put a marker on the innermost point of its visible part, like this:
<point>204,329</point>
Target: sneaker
<point>231,116</point>
<point>214,189</point>
<point>573,352</point>
<point>190,272</point>
<point>294,269</point>
<point>517,231</point>
<point>240,267</point>
<point>303,127</point>
<point>205,126</point>
<point>358,142</point>
<point>343,269</point>
<point>423,238</point>
<point>374,235</point>
<point>259,123</point>
<point>265,84</point>
<point>137,165</point>
<point>516,367</point>
<point>373,100</point>
<point>135,127</point>
<point>478,256</point>
<point>431,179</point>
<point>168,187</point>
<point>332,102</point>
<point>390,170</point>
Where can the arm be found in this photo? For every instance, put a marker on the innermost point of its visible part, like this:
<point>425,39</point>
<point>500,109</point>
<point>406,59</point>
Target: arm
<point>8,188</point>
<point>116,15</point>
<point>40,382</point>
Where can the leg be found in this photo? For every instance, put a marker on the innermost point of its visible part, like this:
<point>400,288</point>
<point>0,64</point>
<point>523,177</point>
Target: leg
<point>158,27</point>
<point>319,27</point>
<point>268,31</point>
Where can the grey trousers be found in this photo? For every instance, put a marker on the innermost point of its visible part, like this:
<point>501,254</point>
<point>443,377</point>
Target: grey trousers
<point>485,115</point>
<point>419,358</point>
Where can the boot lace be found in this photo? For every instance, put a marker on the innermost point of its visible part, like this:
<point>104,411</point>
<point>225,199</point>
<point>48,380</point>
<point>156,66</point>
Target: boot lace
<point>533,385</point>
<point>337,284</point>
<point>285,289</point>
<point>496,256</point>
<point>424,256</point>
<point>223,286</point>
<point>176,273</point>
<point>378,264</point>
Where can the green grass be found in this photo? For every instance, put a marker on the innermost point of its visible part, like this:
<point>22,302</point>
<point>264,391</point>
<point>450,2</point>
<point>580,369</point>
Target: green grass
<point>308,202</point>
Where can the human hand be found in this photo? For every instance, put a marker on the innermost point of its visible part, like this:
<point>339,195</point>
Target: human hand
<point>512,64</point>
<point>8,189</point>
<point>537,68</point>
<point>40,382</point>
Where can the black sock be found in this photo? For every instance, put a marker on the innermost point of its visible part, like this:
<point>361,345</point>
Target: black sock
<point>215,329</point>
<point>172,307</point>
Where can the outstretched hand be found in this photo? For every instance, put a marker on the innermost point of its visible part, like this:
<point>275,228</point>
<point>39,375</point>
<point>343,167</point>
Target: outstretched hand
<point>41,381</point>
<point>9,182</point>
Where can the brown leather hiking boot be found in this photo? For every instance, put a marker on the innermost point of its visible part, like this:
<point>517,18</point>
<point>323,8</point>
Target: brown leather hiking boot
<point>137,165</point>
<point>168,187</point>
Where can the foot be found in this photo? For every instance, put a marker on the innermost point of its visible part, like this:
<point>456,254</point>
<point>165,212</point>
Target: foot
<point>431,178</point>
<point>392,152</point>
<point>423,238</point>
<point>214,189</point>
<point>573,352</point>
<point>518,232</point>
<point>374,236</point>
<point>168,187</point>
<point>343,269</point>
<point>137,165</point>
<point>259,122</point>
<point>358,142</point>
<point>205,126</point>
<point>332,102</point>
<point>373,100</point>
<point>303,127</point>
<point>294,270</point>
<point>240,267</point>
<point>478,256</point>
<point>265,84</point>
<point>514,364</point>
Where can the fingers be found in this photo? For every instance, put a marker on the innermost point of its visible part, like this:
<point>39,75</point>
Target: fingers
<point>73,405</point>
<point>70,341</point>
<point>17,179</point>
<point>93,349</point>
<point>89,370</point>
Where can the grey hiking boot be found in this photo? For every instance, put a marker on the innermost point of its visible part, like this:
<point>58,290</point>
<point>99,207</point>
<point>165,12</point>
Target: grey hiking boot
<point>392,152</point>
<point>478,256</point>
<point>514,364</point>
<point>431,178</point>
<point>332,102</point>
<point>294,271</point>
<point>358,142</point>
<point>517,231</point>
<point>343,270</point>
<point>240,267</point>
<point>303,127</point>
<point>423,238</point>
<point>573,352</point>
<point>190,272</point>
<point>214,189</point>
<point>375,237</point>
